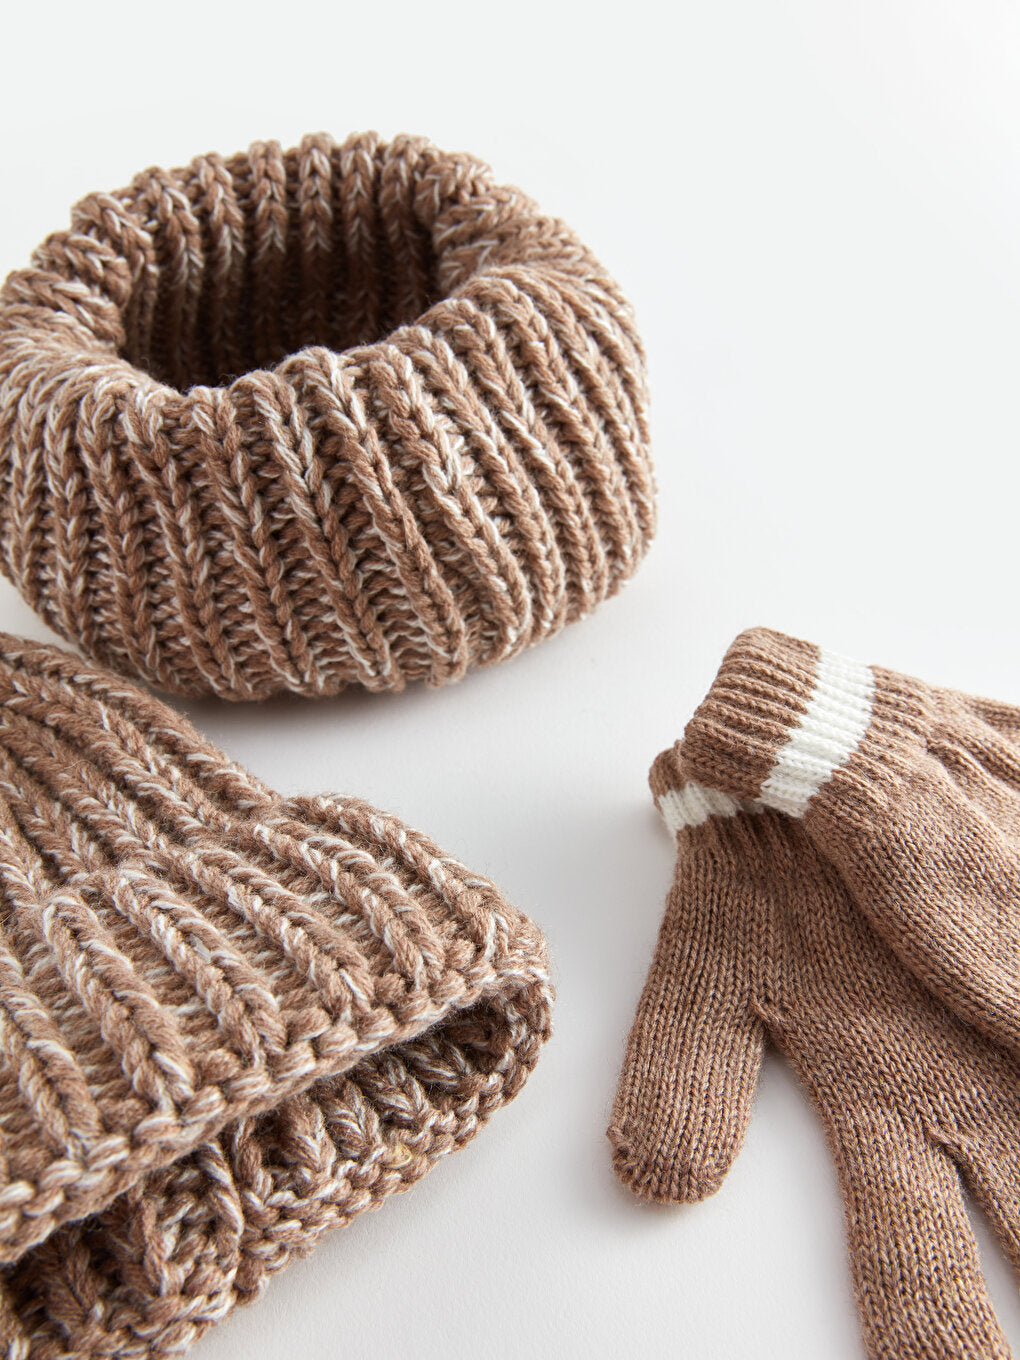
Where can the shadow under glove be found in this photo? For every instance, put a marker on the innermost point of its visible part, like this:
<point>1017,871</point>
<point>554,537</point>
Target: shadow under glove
<point>770,932</point>
<point>228,1020</point>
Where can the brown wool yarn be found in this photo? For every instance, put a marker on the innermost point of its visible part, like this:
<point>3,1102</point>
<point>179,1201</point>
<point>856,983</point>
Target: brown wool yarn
<point>848,855</point>
<point>295,420</point>
<point>229,1020</point>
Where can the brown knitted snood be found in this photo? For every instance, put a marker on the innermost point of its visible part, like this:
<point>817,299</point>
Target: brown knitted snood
<point>228,1020</point>
<point>847,849</point>
<point>346,414</point>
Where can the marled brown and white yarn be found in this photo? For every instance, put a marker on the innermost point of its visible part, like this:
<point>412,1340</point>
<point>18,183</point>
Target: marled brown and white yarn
<point>175,1253</point>
<point>228,1020</point>
<point>345,414</point>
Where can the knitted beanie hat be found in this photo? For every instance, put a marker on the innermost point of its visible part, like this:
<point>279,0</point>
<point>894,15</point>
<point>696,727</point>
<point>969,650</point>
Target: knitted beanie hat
<point>228,1020</point>
<point>346,414</point>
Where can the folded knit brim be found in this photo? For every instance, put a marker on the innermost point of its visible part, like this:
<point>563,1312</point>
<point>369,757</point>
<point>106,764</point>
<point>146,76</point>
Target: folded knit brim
<point>291,421</point>
<point>228,1020</point>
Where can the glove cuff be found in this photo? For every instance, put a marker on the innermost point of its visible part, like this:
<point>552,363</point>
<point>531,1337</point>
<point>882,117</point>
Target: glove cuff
<point>781,718</point>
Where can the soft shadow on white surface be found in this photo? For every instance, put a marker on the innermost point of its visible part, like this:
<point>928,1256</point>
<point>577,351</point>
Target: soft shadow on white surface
<point>815,209</point>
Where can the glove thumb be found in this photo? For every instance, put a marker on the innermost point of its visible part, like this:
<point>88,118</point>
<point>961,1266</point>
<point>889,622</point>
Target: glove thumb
<point>695,1049</point>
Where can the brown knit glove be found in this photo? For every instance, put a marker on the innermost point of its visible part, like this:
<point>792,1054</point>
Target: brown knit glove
<point>228,1020</point>
<point>912,792</point>
<point>844,887</point>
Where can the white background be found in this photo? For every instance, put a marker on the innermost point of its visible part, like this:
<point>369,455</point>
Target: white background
<point>815,207</point>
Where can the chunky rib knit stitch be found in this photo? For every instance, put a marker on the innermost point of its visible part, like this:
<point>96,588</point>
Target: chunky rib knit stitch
<point>346,414</point>
<point>848,843</point>
<point>228,1020</point>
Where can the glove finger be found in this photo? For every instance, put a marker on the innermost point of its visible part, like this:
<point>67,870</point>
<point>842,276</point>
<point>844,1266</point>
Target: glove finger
<point>695,1048</point>
<point>990,1164</point>
<point>915,1264</point>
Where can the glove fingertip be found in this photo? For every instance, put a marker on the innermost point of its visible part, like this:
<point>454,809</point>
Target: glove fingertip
<point>660,1174</point>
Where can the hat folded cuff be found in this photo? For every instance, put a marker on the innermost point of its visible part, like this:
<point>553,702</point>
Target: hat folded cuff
<point>236,1210</point>
<point>305,988</point>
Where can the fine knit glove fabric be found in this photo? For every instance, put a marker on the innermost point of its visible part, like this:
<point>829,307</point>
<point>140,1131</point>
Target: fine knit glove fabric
<point>911,790</point>
<point>292,420</point>
<point>228,1020</point>
<point>800,781</point>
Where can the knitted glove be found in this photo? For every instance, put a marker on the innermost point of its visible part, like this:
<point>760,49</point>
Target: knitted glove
<point>912,792</point>
<point>766,935</point>
<point>228,1020</point>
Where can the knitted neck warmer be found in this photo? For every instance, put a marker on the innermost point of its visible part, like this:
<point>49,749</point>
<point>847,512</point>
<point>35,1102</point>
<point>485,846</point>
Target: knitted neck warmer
<point>292,421</point>
<point>228,1020</point>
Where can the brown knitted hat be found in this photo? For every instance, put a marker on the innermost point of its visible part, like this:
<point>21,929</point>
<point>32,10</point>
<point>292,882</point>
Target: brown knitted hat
<point>847,886</point>
<point>346,414</point>
<point>228,1020</point>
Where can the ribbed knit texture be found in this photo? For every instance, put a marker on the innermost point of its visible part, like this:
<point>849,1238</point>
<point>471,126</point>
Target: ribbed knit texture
<point>847,841</point>
<point>228,1020</point>
<point>295,420</point>
<point>921,816</point>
